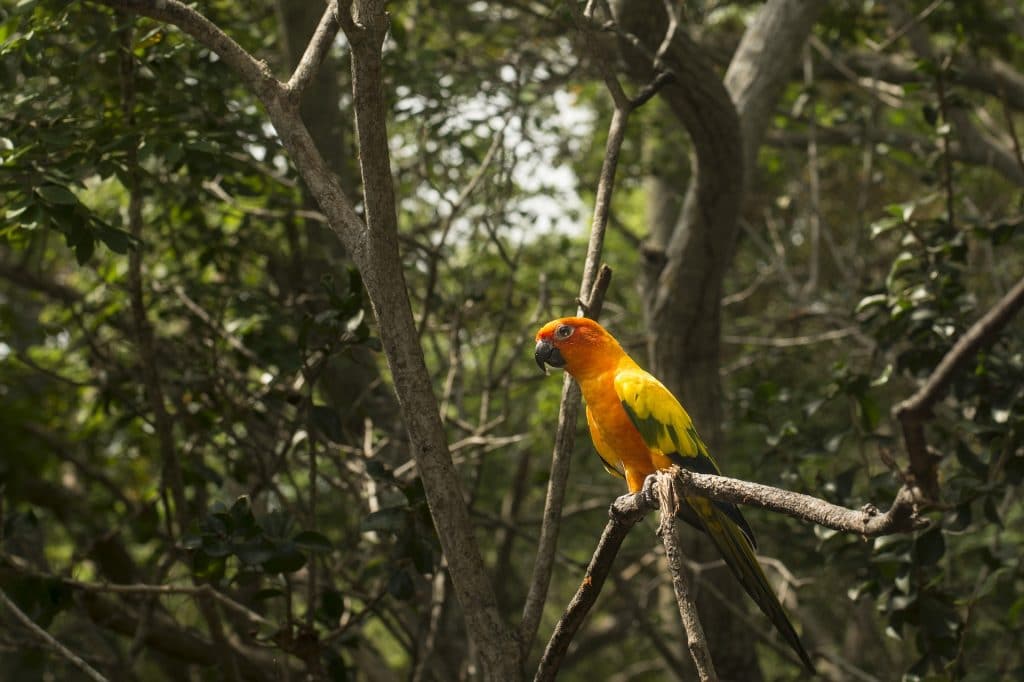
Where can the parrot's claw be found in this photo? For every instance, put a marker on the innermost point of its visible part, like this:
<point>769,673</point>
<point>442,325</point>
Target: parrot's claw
<point>647,492</point>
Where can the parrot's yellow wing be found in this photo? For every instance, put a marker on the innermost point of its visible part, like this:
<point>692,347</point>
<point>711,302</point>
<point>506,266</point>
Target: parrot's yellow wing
<point>665,427</point>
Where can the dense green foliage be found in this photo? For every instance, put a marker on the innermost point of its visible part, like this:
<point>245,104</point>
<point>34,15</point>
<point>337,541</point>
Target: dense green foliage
<point>177,322</point>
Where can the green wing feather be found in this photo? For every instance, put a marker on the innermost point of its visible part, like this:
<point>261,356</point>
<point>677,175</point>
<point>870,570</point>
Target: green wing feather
<point>665,426</point>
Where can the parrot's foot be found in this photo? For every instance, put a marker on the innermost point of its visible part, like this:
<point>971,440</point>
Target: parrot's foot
<point>647,493</point>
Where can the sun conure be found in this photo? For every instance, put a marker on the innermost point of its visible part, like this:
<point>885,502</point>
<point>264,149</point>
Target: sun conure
<point>638,427</point>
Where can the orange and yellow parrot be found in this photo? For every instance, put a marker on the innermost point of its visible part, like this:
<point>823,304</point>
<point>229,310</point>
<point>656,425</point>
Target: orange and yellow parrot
<point>638,427</point>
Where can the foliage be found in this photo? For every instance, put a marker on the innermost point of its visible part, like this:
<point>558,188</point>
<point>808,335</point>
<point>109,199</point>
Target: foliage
<point>228,330</point>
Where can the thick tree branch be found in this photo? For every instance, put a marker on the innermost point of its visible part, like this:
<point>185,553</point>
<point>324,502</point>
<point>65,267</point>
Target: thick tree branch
<point>375,253</point>
<point>382,272</point>
<point>254,73</point>
<point>867,522</point>
<point>913,412</point>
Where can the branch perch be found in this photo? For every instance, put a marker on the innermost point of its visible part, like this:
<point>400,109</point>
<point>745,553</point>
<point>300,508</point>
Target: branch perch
<point>627,510</point>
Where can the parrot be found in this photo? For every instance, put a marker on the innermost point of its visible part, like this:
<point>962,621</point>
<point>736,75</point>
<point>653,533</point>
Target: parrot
<point>639,427</point>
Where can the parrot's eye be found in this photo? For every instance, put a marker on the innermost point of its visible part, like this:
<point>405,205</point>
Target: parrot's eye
<point>563,331</point>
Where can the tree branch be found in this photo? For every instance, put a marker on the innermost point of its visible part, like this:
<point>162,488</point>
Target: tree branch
<point>255,74</point>
<point>592,288</point>
<point>867,522</point>
<point>315,52</point>
<point>382,271</point>
<point>913,412</point>
<point>697,643</point>
<point>628,509</point>
<point>49,640</point>
<point>283,113</point>
<point>622,516</point>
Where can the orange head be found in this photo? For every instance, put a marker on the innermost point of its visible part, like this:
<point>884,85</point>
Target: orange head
<point>578,344</point>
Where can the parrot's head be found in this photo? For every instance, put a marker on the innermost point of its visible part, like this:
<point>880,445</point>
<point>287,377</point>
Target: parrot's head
<point>573,343</point>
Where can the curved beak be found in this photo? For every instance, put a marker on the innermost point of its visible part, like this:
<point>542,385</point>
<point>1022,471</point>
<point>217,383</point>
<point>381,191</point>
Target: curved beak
<point>546,353</point>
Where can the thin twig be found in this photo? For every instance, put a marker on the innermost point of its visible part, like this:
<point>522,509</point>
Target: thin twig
<point>565,435</point>
<point>315,52</point>
<point>50,641</point>
<point>590,299</point>
<point>145,343</point>
<point>901,31</point>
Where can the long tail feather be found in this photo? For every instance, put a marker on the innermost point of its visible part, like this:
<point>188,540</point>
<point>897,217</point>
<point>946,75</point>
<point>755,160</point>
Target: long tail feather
<point>739,557</point>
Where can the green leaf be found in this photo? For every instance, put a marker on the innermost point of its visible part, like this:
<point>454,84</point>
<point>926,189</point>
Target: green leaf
<point>930,546</point>
<point>57,194</point>
<point>873,300</point>
<point>884,225</point>
<point>312,541</point>
<point>241,512</point>
<point>389,519</point>
<point>255,552</point>
<point>992,512</point>
<point>116,240</point>
<point>870,412</point>
<point>207,567</point>
<point>332,604</point>
<point>267,593</point>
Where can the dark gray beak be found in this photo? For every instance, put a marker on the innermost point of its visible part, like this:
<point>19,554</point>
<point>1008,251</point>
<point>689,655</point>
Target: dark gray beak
<point>546,353</point>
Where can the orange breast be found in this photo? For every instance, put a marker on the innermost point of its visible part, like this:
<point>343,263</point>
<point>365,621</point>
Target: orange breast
<point>612,427</point>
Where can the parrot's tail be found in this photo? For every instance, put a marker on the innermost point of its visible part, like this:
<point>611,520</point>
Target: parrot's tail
<point>739,557</point>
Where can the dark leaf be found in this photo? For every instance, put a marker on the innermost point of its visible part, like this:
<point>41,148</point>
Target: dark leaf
<point>285,560</point>
<point>930,546</point>
<point>332,604</point>
<point>312,541</point>
<point>389,519</point>
<point>57,194</point>
<point>400,585</point>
